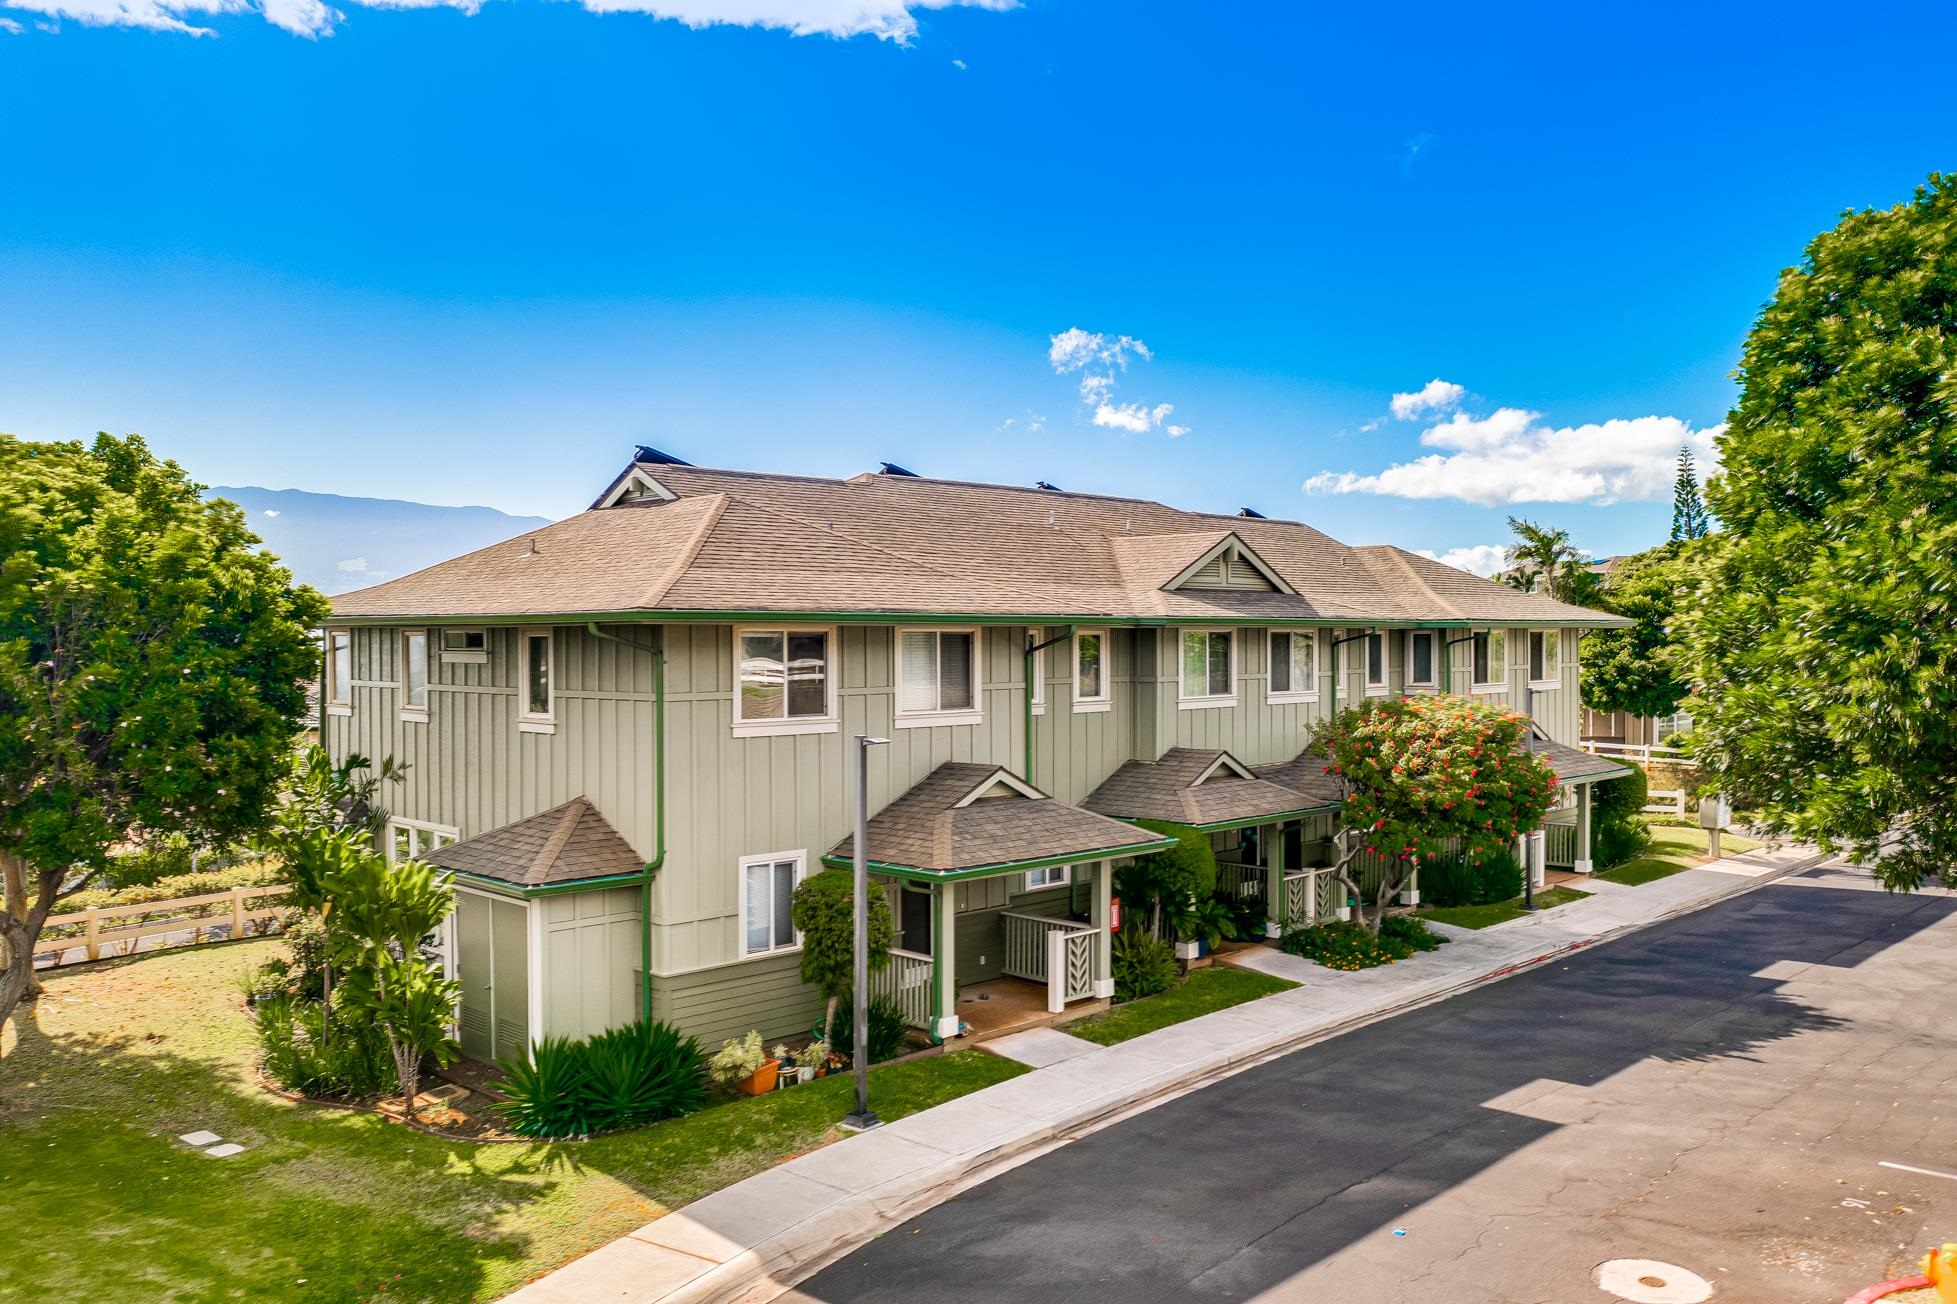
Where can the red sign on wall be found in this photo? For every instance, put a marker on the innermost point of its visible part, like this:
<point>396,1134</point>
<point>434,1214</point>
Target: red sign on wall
<point>1114,915</point>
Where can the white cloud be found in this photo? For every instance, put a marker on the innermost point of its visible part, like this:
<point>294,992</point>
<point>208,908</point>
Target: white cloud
<point>1513,456</point>
<point>1479,558</point>
<point>1075,350</point>
<point>958,64</point>
<point>1176,432</point>
<point>1436,395</point>
<point>352,565</point>
<point>11,27</point>
<point>271,511</point>
<point>887,20</point>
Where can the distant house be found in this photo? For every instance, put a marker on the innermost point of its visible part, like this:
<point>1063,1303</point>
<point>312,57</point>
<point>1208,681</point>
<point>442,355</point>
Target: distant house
<point>630,733</point>
<point>1622,728</point>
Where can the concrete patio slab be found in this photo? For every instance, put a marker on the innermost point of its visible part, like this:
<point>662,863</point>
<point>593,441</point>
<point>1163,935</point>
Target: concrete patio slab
<point>1039,1047</point>
<point>200,1139</point>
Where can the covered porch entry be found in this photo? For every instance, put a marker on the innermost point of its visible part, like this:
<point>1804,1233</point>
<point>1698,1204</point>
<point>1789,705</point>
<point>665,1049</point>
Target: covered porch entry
<point>1000,893</point>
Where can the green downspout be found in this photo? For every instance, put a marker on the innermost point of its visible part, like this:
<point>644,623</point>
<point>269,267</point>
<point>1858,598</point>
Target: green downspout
<point>1031,649</point>
<point>658,805</point>
<point>1338,643</point>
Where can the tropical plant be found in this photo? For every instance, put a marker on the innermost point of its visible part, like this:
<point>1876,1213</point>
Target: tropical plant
<point>1424,777</point>
<point>153,665</point>
<point>639,1073</point>
<point>1617,829</point>
<point>823,912</point>
<point>1160,887</point>
<point>1689,518</point>
<point>544,1090</point>
<point>295,1052</point>
<point>1455,880</point>
<point>737,1059</point>
<point>324,794</point>
<point>1411,932</point>
<point>1619,841</point>
<point>1543,560</point>
<point>1822,641</point>
<point>1143,964</point>
<point>1351,946</point>
<point>887,1031</point>
<point>1209,921</point>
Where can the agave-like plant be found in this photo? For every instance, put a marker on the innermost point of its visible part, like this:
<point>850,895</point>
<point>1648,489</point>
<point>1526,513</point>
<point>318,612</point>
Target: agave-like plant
<point>546,1090</point>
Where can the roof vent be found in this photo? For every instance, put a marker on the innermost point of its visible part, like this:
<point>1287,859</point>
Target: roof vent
<point>1041,484</point>
<point>533,547</point>
<point>891,468</point>
<point>1251,512</point>
<point>648,454</point>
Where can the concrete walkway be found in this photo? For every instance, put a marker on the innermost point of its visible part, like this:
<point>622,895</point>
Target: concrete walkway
<point>756,1238</point>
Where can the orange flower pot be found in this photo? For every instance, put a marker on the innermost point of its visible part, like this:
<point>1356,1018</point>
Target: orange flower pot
<point>760,1081</point>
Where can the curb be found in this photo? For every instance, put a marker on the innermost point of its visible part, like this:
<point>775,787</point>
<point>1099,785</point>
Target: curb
<point>765,1271</point>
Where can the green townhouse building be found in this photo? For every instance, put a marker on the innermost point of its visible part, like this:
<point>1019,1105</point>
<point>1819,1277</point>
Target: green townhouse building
<point>630,734</point>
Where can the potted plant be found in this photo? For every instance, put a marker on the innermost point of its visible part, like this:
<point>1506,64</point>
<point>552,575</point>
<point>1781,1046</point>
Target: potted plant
<point>815,1060</point>
<point>744,1066</point>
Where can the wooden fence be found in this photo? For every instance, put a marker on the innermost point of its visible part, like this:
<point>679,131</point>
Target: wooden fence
<point>113,926</point>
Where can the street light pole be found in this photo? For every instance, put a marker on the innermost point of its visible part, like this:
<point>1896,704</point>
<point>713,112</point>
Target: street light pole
<point>860,922</point>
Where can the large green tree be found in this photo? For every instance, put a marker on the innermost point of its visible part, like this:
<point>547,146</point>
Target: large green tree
<point>1636,669</point>
<point>1823,646</point>
<point>1689,518</point>
<point>1543,560</point>
<point>152,671</point>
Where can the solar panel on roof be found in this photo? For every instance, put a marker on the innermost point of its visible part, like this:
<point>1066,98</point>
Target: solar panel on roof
<point>648,454</point>
<point>1251,512</point>
<point>891,468</point>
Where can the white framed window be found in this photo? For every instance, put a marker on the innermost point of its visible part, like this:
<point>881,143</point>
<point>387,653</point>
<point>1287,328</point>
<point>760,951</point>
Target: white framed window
<point>1545,659</point>
<point>1294,666</point>
<point>785,679</point>
<point>1092,690</point>
<point>537,683</point>
<point>1490,660</point>
<point>465,646</point>
<point>413,839</point>
<point>937,677</point>
<point>1038,686</point>
<point>339,672</point>
<point>1051,876</point>
<point>1423,658</point>
<point>1209,668</point>
<point>767,890</point>
<point>1375,651</point>
<point>414,674</point>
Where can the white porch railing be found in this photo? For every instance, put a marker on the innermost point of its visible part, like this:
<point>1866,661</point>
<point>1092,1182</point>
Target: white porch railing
<point>1309,895</point>
<point>1630,751</point>
<point>907,981</point>
<point>1240,882</point>
<point>1559,843</point>
<point>1057,952</point>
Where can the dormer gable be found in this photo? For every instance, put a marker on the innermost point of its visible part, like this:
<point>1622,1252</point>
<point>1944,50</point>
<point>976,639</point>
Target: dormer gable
<point>1001,785</point>
<point>1232,564</point>
<point>636,485</point>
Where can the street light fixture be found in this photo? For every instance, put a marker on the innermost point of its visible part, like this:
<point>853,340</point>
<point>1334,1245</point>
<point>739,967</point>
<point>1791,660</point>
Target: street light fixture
<point>862,1119</point>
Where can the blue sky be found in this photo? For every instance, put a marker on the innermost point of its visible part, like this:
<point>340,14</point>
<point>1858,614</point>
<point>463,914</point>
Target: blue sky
<point>472,257</point>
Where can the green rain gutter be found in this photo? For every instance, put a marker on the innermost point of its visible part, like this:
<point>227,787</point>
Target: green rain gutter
<point>916,875</point>
<point>659,809</point>
<point>1031,649</point>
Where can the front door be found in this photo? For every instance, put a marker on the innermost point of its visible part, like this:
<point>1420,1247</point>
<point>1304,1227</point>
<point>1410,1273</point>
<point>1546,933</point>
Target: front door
<point>914,919</point>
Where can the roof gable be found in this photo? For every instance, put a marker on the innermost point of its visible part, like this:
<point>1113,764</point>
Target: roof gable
<point>1230,563</point>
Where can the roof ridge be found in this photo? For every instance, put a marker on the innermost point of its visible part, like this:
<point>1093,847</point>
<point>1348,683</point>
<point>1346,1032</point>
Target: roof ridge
<point>842,534</point>
<point>1400,556</point>
<point>684,562</point>
<point>553,847</point>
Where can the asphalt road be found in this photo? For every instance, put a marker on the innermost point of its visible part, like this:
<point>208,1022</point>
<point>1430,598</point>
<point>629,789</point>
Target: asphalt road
<point>1715,1093</point>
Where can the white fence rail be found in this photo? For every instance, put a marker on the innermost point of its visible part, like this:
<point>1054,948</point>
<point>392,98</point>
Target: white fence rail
<point>1057,952</point>
<point>907,981</point>
<point>1239,881</point>
<point>1665,801</point>
<point>99,924</point>
<point>1632,751</point>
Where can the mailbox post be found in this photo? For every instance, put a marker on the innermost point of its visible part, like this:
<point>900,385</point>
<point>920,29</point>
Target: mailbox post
<point>1715,815</point>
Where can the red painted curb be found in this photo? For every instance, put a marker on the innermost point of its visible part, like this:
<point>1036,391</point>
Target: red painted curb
<point>1874,1293</point>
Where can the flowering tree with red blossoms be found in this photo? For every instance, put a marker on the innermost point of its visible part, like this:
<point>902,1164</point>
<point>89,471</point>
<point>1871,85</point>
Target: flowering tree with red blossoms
<point>1427,776</point>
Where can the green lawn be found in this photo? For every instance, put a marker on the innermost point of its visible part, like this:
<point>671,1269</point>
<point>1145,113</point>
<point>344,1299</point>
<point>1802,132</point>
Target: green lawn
<point>101,1075</point>
<point>1673,849</point>
<point>1500,912</point>
<point>1215,988</point>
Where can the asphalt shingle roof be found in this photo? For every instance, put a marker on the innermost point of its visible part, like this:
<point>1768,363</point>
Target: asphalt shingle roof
<point>564,844</point>
<point>928,829</point>
<point>743,541</point>
<point>1572,764</point>
<point>1173,788</point>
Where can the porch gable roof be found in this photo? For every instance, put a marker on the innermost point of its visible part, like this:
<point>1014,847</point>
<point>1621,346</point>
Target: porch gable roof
<point>1201,787</point>
<point>965,819</point>
<point>1572,764</point>
<point>565,844</point>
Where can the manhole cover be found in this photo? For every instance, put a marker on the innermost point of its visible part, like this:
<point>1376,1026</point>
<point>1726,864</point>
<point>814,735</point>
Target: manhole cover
<point>1647,1281</point>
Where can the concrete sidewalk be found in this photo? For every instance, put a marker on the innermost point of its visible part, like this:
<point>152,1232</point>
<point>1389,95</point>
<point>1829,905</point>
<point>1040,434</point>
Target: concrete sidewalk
<point>756,1238</point>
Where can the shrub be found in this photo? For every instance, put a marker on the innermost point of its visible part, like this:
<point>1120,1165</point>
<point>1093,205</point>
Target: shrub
<point>300,1054</point>
<point>1457,881</point>
<point>1143,964</point>
<point>1165,882</point>
<point>886,1030</point>
<point>253,873</point>
<point>1619,841</point>
<point>626,1077</point>
<point>169,856</point>
<point>1409,931</point>
<point>1616,800</point>
<point>1345,945</point>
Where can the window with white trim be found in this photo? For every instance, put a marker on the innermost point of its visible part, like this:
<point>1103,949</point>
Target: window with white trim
<point>937,676</point>
<point>767,901</point>
<point>1545,648</point>
<point>1423,658</point>
<point>339,672</point>
<point>785,680</point>
<point>413,839</point>
<point>1491,658</point>
<point>1294,666</point>
<point>414,674</point>
<point>537,693</point>
<point>1050,876</point>
<point>1209,667</point>
<point>1038,688</point>
<point>1375,663</point>
<point>1091,688</point>
<point>465,646</point>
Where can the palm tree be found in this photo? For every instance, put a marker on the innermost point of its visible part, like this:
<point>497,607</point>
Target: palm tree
<point>1543,560</point>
